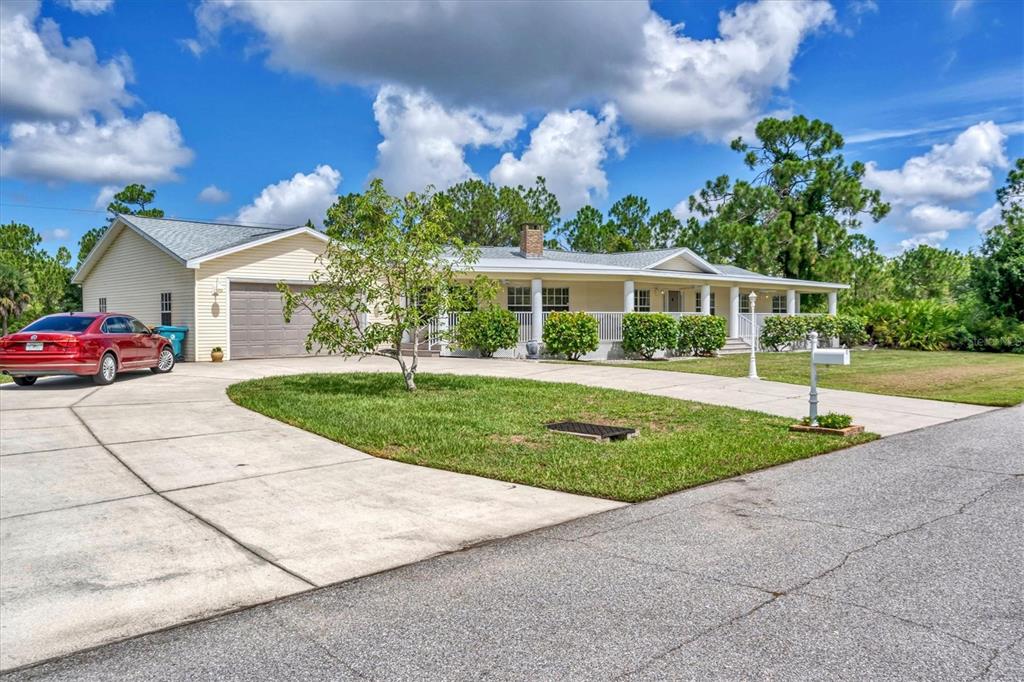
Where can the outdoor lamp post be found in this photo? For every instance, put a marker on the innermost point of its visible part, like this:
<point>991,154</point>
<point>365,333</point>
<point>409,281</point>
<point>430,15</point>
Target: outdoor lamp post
<point>814,380</point>
<point>752,374</point>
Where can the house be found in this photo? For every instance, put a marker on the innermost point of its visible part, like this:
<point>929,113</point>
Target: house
<point>219,281</point>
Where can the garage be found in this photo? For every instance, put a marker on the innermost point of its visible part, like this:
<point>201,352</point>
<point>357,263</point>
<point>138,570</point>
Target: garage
<point>258,329</point>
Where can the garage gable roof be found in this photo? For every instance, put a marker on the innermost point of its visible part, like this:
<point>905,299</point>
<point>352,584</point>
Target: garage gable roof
<point>190,242</point>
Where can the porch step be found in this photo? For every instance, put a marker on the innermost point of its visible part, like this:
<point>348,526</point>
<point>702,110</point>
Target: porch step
<point>424,350</point>
<point>734,346</point>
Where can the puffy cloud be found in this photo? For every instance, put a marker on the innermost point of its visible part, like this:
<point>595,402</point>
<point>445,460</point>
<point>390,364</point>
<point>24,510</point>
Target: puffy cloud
<point>118,151</point>
<point>46,77</point>
<point>930,238</point>
<point>568,149</point>
<point>717,86</point>
<point>424,142</point>
<point>212,194</point>
<point>193,46</point>
<point>57,234</point>
<point>947,172</point>
<point>932,218</point>
<point>515,56</point>
<point>989,218</point>
<point>294,201</point>
<point>105,195</point>
<point>89,6</point>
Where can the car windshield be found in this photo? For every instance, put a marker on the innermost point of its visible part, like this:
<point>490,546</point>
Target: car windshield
<point>60,323</point>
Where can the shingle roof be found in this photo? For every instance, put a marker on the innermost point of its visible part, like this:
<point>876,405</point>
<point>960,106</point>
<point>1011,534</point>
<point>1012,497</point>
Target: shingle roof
<point>631,260</point>
<point>188,239</point>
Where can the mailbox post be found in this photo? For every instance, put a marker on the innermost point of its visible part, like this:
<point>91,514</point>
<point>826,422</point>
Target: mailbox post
<point>822,357</point>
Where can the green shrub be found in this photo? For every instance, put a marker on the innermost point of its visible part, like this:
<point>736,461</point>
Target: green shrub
<point>701,334</point>
<point>647,333</point>
<point>487,330</point>
<point>571,334</point>
<point>914,325</point>
<point>989,334</point>
<point>832,420</point>
<point>781,330</point>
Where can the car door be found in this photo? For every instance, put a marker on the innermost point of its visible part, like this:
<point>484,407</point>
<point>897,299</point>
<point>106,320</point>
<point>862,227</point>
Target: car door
<point>119,330</point>
<point>145,342</point>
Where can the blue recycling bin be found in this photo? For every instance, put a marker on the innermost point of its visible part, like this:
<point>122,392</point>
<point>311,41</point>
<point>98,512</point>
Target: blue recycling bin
<point>176,335</point>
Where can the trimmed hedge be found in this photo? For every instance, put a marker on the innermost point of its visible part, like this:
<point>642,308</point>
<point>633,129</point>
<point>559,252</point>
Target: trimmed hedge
<point>646,333</point>
<point>487,330</point>
<point>701,334</point>
<point>571,334</point>
<point>781,330</point>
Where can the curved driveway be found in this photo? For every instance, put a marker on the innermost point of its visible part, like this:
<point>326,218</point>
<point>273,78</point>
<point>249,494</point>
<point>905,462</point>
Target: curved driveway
<point>157,501</point>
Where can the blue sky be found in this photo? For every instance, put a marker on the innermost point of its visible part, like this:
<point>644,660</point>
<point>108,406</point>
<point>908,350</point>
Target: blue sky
<point>280,106</point>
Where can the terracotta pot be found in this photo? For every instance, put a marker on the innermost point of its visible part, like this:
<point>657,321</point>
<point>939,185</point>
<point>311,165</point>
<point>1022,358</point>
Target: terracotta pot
<point>217,355</point>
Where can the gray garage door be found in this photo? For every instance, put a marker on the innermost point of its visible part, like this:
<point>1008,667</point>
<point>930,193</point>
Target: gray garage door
<point>258,329</point>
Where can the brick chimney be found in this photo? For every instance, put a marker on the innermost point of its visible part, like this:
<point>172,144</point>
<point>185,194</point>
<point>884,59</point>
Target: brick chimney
<point>531,241</point>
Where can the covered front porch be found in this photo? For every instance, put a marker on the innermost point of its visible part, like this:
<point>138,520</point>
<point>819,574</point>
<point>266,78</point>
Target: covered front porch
<point>608,300</point>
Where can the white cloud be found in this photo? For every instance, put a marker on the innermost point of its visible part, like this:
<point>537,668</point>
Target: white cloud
<point>46,77</point>
<point>568,149</point>
<point>947,172</point>
<point>989,218</point>
<point>492,54</point>
<point>424,142</point>
<point>89,6</point>
<point>714,87</point>
<point>118,151</point>
<point>105,196</point>
<point>930,238</point>
<point>212,194</point>
<point>961,6</point>
<point>192,45</point>
<point>294,201</point>
<point>57,234</point>
<point>517,56</point>
<point>931,218</point>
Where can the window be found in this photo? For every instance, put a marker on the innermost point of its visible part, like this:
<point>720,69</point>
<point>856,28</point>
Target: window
<point>555,298</point>
<point>745,303</point>
<point>519,299</point>
<point>779,304</point>
<point>165,308</point>
<point>117,325</point>
<point>60,323</point>
<point>697,304</point>
<point>103,305</point>
<point>642,300</point>
<point>138,327</point>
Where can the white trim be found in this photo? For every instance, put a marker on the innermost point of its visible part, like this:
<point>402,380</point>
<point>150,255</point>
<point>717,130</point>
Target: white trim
<point>684,251</point>
<point>195,316</point>
<point>646,275</point>
<point>284,234</point>
<point>109,235</point>
<point>227,319</point>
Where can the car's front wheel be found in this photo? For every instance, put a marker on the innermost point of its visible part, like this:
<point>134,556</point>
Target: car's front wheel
<point>107,371</point>
<point>24,381</point>
<point>165,363</point>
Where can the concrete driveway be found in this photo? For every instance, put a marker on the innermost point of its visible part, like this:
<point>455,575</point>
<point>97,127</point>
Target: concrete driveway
<point>896,560</point>
<point>156,501</point>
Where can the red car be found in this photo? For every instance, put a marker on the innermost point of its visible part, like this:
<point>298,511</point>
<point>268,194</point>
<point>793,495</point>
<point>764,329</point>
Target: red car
<point>85,344</point>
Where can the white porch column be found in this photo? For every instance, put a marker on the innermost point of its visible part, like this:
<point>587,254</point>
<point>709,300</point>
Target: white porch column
<point>797,307</point>
<point>791,302</point>
<point>734,312</point>
<point>537,308</point>
<point>705,299</point>
<point>628,302</point>
<point>832,303</point>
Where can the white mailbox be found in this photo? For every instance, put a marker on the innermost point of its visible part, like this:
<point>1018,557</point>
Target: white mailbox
<point>830,356</point>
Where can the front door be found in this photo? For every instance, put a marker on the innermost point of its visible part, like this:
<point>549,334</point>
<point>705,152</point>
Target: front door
<point>675,302</point>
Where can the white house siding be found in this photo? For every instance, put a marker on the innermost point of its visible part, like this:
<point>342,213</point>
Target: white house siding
<point>131,275</point>
<point>289,259</point>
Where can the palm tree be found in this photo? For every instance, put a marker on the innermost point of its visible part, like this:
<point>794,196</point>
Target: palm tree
<point>14,294</point>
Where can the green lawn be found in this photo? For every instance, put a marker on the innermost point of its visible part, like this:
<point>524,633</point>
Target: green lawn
<point>978,378</point>
<point>495,428</point>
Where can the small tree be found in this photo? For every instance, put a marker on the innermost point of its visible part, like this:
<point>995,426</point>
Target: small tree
<point>15,295</point>
<point>389,269</point>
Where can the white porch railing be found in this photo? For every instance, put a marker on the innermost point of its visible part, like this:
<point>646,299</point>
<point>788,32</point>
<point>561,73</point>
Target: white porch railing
<point>525,326</point>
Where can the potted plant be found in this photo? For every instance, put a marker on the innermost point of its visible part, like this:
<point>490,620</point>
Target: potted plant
<point>217,354</point>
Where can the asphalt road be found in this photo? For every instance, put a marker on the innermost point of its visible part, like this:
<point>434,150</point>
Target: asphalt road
<point>899,559</point>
